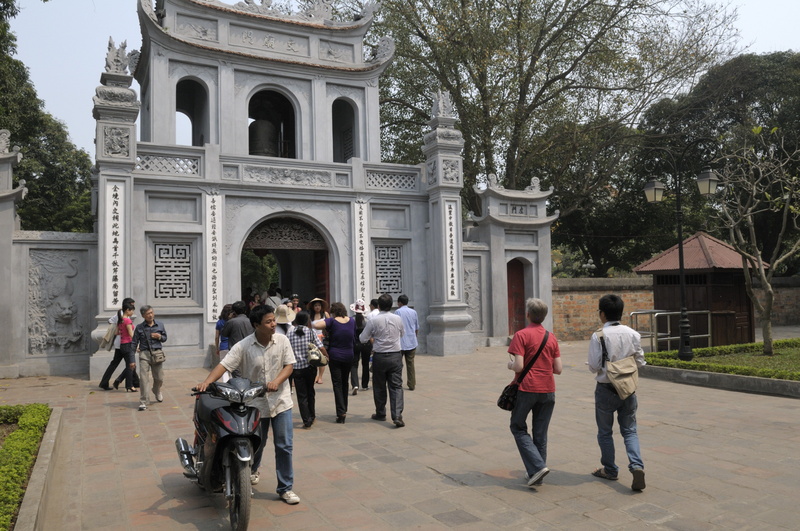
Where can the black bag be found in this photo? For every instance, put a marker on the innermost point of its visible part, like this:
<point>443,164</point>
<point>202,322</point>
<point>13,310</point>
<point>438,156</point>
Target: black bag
<point>508,398</point>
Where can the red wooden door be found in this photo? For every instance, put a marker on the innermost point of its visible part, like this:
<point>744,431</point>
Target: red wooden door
<point>515,272</point>
<point>321,285</point>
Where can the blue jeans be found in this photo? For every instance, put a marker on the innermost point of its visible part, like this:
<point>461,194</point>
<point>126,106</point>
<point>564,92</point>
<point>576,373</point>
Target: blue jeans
<point>282,434</point>
<point>606,403</point>
<point>532,449</point>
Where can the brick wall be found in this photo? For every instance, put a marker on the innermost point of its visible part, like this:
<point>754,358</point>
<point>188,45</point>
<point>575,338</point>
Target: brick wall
<point>575,302</point>
<point>786,307</point>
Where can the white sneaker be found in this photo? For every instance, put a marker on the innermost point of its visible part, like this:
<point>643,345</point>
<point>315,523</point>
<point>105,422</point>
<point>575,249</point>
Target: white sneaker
<point>290,497</point>
<point>142,407</point>
<point>159,396</point>
<point>254,478</point>
<point>537,477</point>
<point>355,391</point>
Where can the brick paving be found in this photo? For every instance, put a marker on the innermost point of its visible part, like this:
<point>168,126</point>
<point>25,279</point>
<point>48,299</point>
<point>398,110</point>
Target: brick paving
<point>714,459</point>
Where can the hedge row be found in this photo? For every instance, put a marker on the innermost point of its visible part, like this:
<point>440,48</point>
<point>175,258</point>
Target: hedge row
<point>670,359</point>
<point>18,455</point>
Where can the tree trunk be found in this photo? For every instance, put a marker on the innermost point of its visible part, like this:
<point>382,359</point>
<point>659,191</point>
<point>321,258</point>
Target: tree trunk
<point>766,331</point>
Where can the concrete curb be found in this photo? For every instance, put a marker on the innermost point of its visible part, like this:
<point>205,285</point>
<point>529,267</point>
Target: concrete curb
<point>728,382</point>
<point>35,500</point>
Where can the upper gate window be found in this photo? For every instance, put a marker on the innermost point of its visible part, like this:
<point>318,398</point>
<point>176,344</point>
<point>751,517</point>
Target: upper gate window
<point>272,127</point>
<point>343,131</point>
<point>191,100</point>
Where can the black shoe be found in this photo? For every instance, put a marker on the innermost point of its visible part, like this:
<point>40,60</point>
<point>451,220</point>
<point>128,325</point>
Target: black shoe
<point>638,479</point>
<point>105,387</point>
<point>116,384</point>
<point>378,417</point>
<point>340,420</point>
<point>399,423</point>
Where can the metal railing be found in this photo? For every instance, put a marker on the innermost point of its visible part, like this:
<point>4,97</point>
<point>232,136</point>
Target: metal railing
<point>655,336</point>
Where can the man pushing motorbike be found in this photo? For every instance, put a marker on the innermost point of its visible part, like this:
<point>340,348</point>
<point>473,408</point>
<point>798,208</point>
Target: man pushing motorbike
<point>267,357</point>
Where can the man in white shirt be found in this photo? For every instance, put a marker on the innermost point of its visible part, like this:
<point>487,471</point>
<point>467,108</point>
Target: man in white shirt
<point>619,341</point>
<point>265,356</point>
<point>386,329</point>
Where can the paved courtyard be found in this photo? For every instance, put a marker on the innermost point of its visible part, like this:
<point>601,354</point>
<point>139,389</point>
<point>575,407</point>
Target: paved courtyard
<point>714,459</point>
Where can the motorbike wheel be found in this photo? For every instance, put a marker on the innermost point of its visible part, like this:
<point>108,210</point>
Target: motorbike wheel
<point>239,505</point>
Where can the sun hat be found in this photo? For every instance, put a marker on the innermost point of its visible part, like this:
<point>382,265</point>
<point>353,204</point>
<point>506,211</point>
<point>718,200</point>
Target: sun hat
<point>310,305</point>
<point>283,315</point>
<point>359,306</point>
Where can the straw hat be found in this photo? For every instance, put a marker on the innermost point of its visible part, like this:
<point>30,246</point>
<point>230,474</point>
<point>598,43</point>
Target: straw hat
<point>310,305</point>
<point>359,306</point>
<point>283,315</point>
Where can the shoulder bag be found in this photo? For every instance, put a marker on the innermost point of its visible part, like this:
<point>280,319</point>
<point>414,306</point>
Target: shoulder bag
<point>508,398</point>
<point>623,373</point>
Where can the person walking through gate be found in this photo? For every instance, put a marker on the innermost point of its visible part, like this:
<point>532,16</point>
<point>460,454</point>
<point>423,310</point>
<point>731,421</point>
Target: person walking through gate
<point>119,356</point>
<point>408,343</point>
<point>304,375</point>
<point>387,361</point>
<point>363,351</point>
<point>341,347</point>
<point>620,342</point>
<point>537,391</point>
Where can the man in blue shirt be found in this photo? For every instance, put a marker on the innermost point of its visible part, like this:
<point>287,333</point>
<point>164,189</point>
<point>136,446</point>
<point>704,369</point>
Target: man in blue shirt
<point>408,343</point>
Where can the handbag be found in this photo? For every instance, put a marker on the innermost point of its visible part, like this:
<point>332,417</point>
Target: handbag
<point>508,398</point>
<point>315,357</point>
<point>156,356</point>
<point>623,373</point>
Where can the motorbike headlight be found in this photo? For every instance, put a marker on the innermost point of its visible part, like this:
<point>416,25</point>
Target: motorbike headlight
<point>254,392</point>
<point>229,394</point>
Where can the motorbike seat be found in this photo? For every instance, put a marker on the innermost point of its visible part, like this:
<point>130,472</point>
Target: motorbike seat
<point>206,404</point>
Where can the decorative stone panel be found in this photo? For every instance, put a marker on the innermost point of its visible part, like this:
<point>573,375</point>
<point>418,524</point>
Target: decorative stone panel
<point>172,270</point>
<point>389,269</point>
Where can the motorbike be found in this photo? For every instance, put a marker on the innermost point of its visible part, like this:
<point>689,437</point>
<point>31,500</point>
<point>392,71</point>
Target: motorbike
<point>225,438</point>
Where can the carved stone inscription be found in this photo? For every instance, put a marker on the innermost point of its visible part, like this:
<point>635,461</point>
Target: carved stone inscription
<point>54,325</point>
<point>268,41</point>
<point>288,176</point>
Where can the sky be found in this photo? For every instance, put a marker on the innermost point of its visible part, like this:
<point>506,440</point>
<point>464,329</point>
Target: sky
<point>64,43</point>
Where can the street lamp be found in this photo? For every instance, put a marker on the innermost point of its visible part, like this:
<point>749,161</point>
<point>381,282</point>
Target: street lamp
<point>654,191</point>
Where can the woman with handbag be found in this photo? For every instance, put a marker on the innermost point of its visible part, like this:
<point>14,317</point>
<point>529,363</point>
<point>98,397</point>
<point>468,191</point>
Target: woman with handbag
<point>304,374</point>
<point>535,359</point>
<point>341,347</point>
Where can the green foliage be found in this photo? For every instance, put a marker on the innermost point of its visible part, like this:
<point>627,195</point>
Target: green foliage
<point>57,174</point>
<point>258,272</point>
<point>18,454</point>
<point>746,360</point>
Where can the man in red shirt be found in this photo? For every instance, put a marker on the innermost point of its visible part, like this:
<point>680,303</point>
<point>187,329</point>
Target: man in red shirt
<point>537,391</point>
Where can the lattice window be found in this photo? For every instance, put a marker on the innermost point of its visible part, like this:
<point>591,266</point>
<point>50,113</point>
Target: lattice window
<point>392,181</point>
<point>389,269</point>
<point>168,165</point>
<point>173,270</point>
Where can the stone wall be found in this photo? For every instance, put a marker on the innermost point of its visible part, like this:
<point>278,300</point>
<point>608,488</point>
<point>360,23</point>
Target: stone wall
<point>786,308</point>
<point>575,303</point>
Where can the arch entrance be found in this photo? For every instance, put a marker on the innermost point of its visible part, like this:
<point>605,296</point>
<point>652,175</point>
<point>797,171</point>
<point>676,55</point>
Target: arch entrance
<point>299,262</point>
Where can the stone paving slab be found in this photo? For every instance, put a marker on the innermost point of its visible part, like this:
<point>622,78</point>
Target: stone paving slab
<point>714,459</point>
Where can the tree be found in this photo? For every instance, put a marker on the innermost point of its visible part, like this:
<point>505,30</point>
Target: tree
<point>525,76</point>
<point>761,177</point>
<point>57,174</point>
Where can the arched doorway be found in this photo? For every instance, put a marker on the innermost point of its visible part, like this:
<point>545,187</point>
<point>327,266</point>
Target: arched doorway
<point>299,252</point>
<point>515,273</point>
<point>271,129</point>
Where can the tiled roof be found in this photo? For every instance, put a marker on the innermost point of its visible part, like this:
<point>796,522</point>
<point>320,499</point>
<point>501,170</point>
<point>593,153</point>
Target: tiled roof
<point>701,252</point>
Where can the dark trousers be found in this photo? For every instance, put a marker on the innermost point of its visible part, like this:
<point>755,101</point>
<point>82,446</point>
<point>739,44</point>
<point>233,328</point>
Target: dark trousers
<point>339,371</point>
<point>119,355</point>
<point>387,371</point>
<point>363,352</point>
<point>306,394</point>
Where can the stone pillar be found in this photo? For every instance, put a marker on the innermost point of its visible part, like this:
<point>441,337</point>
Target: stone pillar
<point>116,108</point>
<point>13,346</point>
<point>448,316</point>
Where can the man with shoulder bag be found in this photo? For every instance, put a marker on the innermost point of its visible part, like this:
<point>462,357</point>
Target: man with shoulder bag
<point>609,350</point>
<point>147,339</point>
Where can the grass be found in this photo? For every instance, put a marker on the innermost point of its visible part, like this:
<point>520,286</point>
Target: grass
<point>747,360</point>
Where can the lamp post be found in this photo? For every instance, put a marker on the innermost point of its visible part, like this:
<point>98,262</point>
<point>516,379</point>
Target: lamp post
<point>654,191</point>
